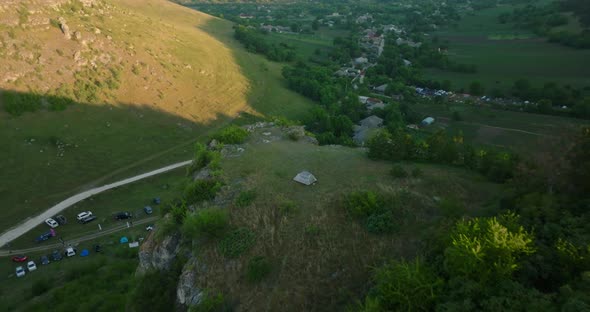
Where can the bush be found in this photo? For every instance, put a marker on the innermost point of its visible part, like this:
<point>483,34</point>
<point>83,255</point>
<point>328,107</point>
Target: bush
<point>178,212</point>
<point>286,207</point>
<point>363,204</point>
<point>232,135</point>
<point>457,116</point>
<point>17,104</point>
<point>201,190</point>
<point>211,222</point>
<point>381,223</point>
<point>258,268</point>
<point>398,172</point>
<point>237,242</point>
<point>204,158</point>
<point>246,198</point>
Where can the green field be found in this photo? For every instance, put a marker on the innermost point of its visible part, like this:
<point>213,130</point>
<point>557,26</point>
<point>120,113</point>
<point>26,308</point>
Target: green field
<point>504,54</point>
<point>306,45</point>
<point>525,133</point>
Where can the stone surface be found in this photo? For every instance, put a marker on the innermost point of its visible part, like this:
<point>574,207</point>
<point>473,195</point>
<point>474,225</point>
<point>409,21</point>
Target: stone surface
<point>158,255</point>
<point>187,293</point>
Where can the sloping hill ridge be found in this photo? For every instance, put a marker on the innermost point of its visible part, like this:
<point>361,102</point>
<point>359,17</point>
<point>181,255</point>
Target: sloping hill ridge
<point>99,90</point>
<point>122,51</point>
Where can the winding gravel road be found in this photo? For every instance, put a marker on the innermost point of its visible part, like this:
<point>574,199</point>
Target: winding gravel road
<point>30,223</point>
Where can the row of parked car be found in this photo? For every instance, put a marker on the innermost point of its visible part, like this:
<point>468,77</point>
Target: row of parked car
<point>44,260</point>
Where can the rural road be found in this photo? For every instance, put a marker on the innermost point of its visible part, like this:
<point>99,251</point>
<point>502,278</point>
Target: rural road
<point>75,241</point>
<point>30,223</point>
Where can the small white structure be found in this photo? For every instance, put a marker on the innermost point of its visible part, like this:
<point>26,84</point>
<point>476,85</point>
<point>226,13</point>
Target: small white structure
<point>427,121</point>
<point>305,177</point>
<point>360,60</point>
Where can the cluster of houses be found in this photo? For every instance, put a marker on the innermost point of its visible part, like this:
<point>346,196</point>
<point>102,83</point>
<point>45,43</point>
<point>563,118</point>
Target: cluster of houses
<point>372,42</point>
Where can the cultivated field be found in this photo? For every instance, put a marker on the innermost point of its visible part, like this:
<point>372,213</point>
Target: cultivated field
<point>504,54</point>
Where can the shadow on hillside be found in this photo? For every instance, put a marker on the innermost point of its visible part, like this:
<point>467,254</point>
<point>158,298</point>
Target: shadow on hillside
<point>268,93</point>
<point>48,155</point>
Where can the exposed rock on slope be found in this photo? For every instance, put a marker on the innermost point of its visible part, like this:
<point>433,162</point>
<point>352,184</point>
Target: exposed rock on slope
<point>158,255</point>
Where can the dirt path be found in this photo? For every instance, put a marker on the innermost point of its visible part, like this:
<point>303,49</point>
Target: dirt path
<point>30,223</point>
<point>75,241</point>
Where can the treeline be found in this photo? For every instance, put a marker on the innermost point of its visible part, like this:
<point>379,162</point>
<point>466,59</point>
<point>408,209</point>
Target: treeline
<point>255,42</point>
<point>543,19</point>
<point>339,109</point>
<point>534,254</point>
<point>398,145</point>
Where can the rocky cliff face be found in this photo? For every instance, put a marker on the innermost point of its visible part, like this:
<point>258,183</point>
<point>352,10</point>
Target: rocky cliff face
<point>187,293</point>
<point>158,255</point>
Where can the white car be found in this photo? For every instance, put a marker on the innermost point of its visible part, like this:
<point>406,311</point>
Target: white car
<point>31,266</point>
<point>20,271</point>
<point>83,215</point>
<point>52,223</point>
<point>70,252</point>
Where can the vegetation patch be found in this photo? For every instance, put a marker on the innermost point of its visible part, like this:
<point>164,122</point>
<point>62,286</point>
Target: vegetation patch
<point>232,135</point>
<point>207,222</point>
<point>201,190</point>
<point>237,242</point>
<point>245,198</point>
<point>258,268</point>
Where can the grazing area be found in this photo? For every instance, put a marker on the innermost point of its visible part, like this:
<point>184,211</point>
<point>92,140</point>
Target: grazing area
<point>504,54</point>
<point>130,103</point>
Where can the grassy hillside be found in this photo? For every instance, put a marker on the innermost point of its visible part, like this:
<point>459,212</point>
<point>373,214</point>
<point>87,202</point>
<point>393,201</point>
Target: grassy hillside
<point>504,54</point>
<point>317,254</point>
<point>139,87</point>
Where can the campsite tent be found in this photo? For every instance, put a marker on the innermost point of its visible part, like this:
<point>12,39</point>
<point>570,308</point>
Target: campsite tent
<point>123,240</point>
<point>84,253</point>
<point>305,177</point>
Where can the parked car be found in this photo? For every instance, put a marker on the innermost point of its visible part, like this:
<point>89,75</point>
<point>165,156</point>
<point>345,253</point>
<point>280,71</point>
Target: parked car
<point>45,236</point>
<point>44,260</point>
<point>56,256</point>
<point>70,251</point>
<point>20,271</point>
<point>97,248</point>
<point>123,215</point>
<point>83,215</point>
<point>88,219</point>
<point>20,258</point>
<point>52,223</point>
<point>61,219</point>
<point>148,210</point>
<point>156,200</point>
<point>31,266</point>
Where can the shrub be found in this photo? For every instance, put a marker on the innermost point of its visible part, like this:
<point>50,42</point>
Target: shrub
<point>457,116</point>
<point>363,204</point>
<point>398,172</point>
<point>201,190</point>
<point>232,135</point>
<point>401,285</point>
<point>294,136</point>
<point>178,212</point>
<point>203,158</point>
<point>286,207</point>
<point>211,222</point>
<point>258,268</point>
<point>381,223</point>
<point>246,198</point>
<point>237,242</point>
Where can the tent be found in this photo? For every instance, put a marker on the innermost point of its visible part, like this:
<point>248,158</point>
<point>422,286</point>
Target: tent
<point>305,177</point>
<point>84,253</point>
<point>123,240</point>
